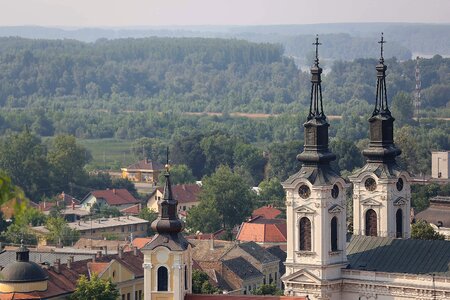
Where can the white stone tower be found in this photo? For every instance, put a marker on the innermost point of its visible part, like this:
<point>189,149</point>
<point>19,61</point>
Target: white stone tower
<point>316,215</point>
<point>381,190</point>
<point>167,257</point>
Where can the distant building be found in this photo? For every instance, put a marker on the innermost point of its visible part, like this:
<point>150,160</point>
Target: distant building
<point>143,171</point>
<point>437,215</point>
<point>121,228</point>
<point>186,195</point>
<point>267,212</point>
<point>236,268</point>
<point>440,164</point>
<point>119,198</point>
<point>266,232</point>
<point>26,279</point>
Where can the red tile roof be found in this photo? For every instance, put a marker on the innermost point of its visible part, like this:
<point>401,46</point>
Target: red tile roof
<point>68,201</point>
<point>145,164</point>
<point>262,230</point>
<point>240,297</point>
<point>132,210</point>
<point>184,193</point>
<point>141,242</point>
<point>96,267</point>
<point>267,212</point>
<point>114,196</point>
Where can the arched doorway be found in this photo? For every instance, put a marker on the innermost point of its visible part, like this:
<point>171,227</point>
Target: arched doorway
<point>371,223</point>
<point>305,234</point>
<point>334,234</point>
<point>399,223</point>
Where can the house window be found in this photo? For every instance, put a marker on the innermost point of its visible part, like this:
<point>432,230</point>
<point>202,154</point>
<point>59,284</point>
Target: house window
<point>184,207</point>
<point>371,223</point>
<point>334,234</point>
<point>135,227</point>
<point>399,223</point>
<point>162,279</point>
<point>305,234</point>
<point>123,228</point>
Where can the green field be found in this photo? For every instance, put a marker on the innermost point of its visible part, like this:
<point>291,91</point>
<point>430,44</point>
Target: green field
<point>108,154</point>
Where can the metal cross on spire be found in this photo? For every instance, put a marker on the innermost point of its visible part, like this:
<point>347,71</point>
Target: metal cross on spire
<point>317,48</point>
<point>381,43</point>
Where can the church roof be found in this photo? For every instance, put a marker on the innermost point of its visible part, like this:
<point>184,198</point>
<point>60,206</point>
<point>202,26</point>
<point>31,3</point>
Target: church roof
<point>391,255</point>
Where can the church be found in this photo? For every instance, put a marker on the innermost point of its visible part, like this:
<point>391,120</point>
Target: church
<point>378,261</point>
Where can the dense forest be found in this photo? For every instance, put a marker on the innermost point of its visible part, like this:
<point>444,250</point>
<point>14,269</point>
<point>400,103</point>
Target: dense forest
<point>141,91</point>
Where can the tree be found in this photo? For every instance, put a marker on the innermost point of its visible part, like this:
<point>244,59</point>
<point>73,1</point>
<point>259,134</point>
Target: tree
<point>59,232</point>
<point>271,192</point>
<point>201,285</point>
<point>23,158</point>
<point>179,174</point>
<point>251,159</point>
<point>218,150</point>
<point>348,156</point>
<point>402,109</point>
<point>224,195</point>
<point>149,215</point>
<point>67,161</point>
<point>421,230</point>
<point>268,289</point>
<point>95,288</point>
<point>282,159</point>
<point>187,151</point>
<point>203,218</point>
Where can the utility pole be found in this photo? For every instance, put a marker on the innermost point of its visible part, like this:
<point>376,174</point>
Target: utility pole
<point>417,98</point>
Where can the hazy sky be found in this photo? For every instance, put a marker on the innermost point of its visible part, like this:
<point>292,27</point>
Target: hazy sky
<point>218,12</point>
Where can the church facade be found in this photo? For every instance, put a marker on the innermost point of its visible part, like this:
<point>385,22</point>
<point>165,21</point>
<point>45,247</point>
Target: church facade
<point>379,261</point>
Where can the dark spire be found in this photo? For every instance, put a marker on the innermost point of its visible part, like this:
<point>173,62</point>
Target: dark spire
<point>167,221</point>
<point>316,128</point>
<point>316,106</point>
<point>381,104</point>
<point>22,254</point>
<point>381,146</point>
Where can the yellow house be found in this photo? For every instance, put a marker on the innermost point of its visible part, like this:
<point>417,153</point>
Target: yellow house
<point>143,171</point>
<point>185,194</point>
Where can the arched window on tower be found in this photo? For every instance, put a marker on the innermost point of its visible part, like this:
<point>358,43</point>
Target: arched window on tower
<point>185,278</point>
<point>305,234</point>
<point>163,279</point>
<point>371,223</point>
<point>334,234</point>
<point>399,223</point>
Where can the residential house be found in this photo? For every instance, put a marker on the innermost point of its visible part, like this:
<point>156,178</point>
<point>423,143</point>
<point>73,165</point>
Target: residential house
<point>119,228</point>
<point>266,232</point>
<point>236,268</point>
<point>437,215</point>
<point>67,206</point>
<point>185,194</point>
<point>143,171</point>
<point>119,198</point>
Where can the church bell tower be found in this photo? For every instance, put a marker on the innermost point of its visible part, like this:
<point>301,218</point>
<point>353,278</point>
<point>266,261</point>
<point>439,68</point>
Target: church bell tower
<point>381,190</point>
<point>315,212</point>
<point>167,257</point>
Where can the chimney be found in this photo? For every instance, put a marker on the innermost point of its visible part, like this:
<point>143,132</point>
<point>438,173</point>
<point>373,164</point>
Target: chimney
<point>99,254</point>
<point>105,248</point>
<point>135,252</point>
<point>211,242</point>
<point>70,261</point>
<point>45,204</point>
<point>118,248</point>
<point>56,265</point>
<point>120,252</point>
<point>114,191</point>
<point>73,205</point>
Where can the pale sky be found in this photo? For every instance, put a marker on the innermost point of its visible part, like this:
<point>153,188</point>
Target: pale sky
<point>118,13</point>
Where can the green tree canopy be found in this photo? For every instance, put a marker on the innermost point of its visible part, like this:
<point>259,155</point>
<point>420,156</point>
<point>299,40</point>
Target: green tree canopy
<point>59,232</point>
<point>224,200</point>
<point>271,192</point>
<point>95,289</point>
<point>179,174</point>
<point>268,289</point>
<point>201,285</point>
<point>421,230</point>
